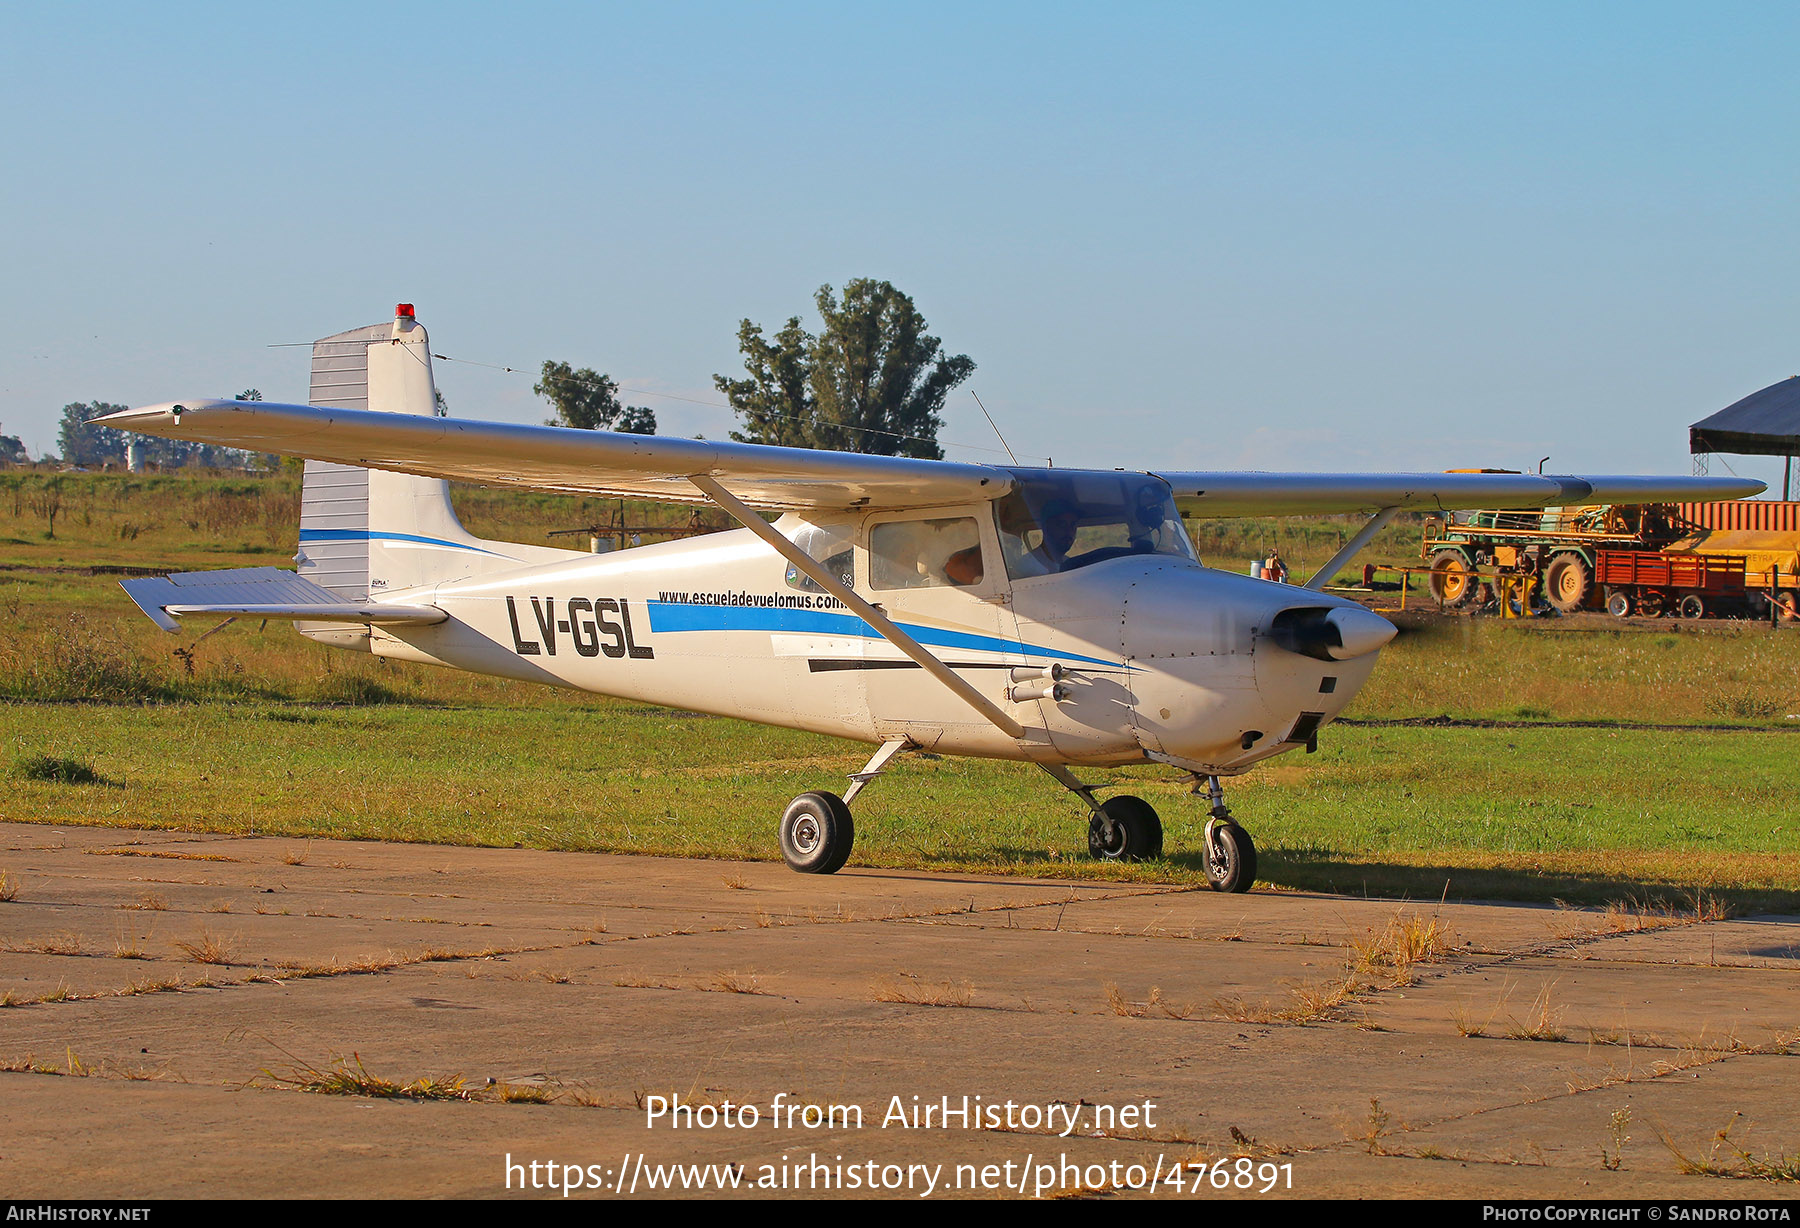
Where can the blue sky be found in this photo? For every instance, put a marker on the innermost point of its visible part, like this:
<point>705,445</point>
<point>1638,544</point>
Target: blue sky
<point>1299,236</point>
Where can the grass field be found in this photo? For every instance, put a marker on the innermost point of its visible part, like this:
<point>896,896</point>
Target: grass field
<point>260,730</point>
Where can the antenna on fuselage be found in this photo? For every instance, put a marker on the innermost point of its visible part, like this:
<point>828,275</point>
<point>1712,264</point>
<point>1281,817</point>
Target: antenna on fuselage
<point>992,423</point>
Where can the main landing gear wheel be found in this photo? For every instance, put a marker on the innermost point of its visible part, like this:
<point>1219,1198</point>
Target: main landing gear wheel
<point>816,833</point>
<point>1126,829</point>
<point>1230,858</point>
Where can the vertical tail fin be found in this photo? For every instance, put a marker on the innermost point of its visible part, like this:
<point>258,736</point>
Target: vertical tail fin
<point>366,532</point>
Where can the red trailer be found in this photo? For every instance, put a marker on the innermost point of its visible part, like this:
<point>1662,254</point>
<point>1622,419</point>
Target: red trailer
<point>1653,582</point>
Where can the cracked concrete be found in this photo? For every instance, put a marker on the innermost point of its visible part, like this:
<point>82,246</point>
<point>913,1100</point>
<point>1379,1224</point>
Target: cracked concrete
<point>132,1068</point>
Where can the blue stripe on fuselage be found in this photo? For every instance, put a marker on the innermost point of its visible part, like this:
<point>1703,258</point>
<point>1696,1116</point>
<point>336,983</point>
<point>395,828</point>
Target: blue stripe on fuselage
<point>375,535</point>
<point>669,616</point>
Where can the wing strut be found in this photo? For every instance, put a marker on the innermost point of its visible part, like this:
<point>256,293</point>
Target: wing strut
<point>862,609</point>
<point>1352,548</point>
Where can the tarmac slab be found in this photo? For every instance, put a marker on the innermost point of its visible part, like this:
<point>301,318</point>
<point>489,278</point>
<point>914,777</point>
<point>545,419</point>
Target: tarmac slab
<point>197,1015</point>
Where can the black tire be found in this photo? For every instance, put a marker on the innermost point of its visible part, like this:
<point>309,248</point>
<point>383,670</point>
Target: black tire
<point>1618,603</point>
<point>1651,603</point>
<point>1693,606</point>
<point>1230,859</point>
<point>1126,829</point>
<point>1566,582</point>
<point>1787,601</point>
<point>1452,581</point>
<point>816,833</point>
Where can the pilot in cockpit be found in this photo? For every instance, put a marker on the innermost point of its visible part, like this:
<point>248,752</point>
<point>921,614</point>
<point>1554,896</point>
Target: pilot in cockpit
<point>1059,519</point>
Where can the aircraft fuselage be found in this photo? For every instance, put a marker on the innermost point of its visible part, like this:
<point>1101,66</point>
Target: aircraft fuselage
<point>1163,659</point>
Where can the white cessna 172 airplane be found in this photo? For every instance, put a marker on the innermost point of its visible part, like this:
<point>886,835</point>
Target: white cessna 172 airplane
<point>1054,616</point>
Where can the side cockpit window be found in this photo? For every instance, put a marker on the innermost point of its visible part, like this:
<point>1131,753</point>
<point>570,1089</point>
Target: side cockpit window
<point>1054,521</point>
<point>926,554</point>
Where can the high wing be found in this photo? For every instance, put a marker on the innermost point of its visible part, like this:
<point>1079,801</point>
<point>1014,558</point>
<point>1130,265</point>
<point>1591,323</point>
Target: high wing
<point>1301,494</point>
<point>561,459</point>
<point>662,467</point>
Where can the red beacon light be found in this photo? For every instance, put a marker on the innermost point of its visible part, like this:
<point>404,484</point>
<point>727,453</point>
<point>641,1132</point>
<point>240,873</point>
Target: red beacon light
<point>404,311</point>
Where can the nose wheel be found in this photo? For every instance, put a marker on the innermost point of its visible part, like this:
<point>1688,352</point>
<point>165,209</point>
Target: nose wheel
<point>1230,852</point>
<point>1230,857</point>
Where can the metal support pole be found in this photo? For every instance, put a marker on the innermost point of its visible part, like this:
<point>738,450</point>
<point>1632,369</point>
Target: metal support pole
<point>876,765</point>
<point>1066,779</point>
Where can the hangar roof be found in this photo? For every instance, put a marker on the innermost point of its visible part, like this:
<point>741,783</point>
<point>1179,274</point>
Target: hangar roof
<point>1765,423</point>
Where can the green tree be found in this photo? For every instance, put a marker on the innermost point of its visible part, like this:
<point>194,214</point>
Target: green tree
<point>589,401</point>
<point>872,380</point>
<point>90,445</point>
<point>93,446</point>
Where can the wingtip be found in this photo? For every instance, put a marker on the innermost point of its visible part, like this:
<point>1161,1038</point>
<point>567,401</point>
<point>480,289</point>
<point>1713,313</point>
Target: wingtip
<point>126,418</point>
<point>1741,488</point>
<point>150,417</point>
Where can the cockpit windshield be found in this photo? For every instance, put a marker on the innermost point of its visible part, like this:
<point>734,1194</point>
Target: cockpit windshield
<point>1053,522</point>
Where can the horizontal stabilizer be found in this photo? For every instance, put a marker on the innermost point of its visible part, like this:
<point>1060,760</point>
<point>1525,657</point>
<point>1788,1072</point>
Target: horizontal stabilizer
<point>261,592</point>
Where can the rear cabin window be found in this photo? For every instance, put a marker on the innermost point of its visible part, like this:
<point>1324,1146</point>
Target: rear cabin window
<point>828,544</point>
